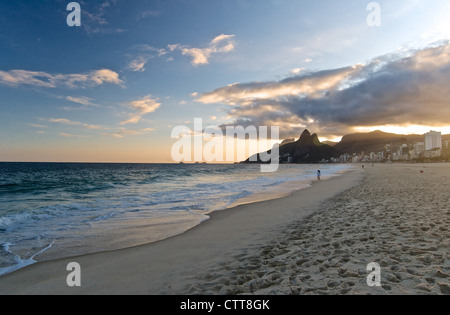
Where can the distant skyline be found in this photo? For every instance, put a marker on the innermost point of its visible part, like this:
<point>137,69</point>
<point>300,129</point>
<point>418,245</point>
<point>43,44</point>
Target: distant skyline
<point>113,89</point>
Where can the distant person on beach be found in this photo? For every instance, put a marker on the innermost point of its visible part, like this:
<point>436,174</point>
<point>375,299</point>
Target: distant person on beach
<point>318,174</point>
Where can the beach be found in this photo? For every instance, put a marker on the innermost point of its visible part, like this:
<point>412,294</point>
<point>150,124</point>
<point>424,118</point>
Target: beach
<point>318,240</point>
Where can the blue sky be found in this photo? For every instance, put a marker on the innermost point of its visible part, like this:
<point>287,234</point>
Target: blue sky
<point>113,89</point>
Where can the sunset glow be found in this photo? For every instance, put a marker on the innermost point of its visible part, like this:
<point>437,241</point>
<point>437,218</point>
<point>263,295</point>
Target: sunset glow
<point>113,88</point>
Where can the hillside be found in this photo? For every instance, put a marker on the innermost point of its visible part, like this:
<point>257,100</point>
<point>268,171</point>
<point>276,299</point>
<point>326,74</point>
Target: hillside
<point>308,149</point>
<point>373,141</point>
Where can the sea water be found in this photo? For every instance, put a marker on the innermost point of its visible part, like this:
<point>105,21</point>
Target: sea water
<point>58,210</point>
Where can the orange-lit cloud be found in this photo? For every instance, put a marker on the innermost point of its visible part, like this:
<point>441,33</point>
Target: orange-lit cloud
<point>308,85</point>
<point>141,107</point>
<point>68,135</point>
<point>404,89</point>
<point>122,132</point>
<point>200,56</point>
<point>68,122</point>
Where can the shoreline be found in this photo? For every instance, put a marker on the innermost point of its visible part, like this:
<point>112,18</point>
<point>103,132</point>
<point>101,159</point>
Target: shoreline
<point>37,277</point>
<point>144,231</point>
<point>285,189</point>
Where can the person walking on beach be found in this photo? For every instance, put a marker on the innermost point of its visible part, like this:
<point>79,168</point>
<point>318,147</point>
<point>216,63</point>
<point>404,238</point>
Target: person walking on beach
<point>318,174</point>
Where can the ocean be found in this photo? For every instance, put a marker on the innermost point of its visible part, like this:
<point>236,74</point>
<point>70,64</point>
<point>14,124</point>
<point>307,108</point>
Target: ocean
<point>58,210</point>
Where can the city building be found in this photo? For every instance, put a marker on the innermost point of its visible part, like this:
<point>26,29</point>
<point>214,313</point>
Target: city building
<point>447,145</point>
<point>433,140</point>
<point>446,150</point>
<point>419,148</point>
<point>435,153</point>
<point>402,150</point>
<point>395,146</point>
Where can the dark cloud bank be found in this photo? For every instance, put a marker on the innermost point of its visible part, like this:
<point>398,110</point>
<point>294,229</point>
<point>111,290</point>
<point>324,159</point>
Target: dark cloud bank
<point>411,87</point>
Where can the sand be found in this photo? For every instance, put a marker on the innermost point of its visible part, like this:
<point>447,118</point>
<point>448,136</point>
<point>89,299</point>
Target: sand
<point>317,241</point>
<point>396,217</point>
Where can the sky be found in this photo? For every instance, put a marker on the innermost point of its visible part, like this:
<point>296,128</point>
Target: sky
<point>114,88</point>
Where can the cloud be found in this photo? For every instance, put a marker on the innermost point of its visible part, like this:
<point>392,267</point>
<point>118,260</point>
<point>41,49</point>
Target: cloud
<point>122,132</point>
<point>145,53</point>
<point>100,77</point>
<point>200,56</point>
<point>68,135</point>
<point>247,94</point>
<point>174,47</point>
<point>396,89</point>
<point>47,80</point>
<point>150,13</point>
<point>38,126</point>
<point>141,107</point>
<point>95,20</point>
<point>297,70</point>
<point>67,122</point>
<point>138,64</point>
<point>133,120</point>
<point>80,100</point>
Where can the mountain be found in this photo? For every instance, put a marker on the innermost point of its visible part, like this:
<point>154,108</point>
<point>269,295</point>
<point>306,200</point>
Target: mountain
<point>330,143</point>
<point>374,141</point>
<point>286,141</point>
<point>307,149</point>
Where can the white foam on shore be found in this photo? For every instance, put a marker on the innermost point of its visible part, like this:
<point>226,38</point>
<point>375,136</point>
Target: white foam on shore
<point>20,263</point>
<point>287,188</point>
<point>142,216</point>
